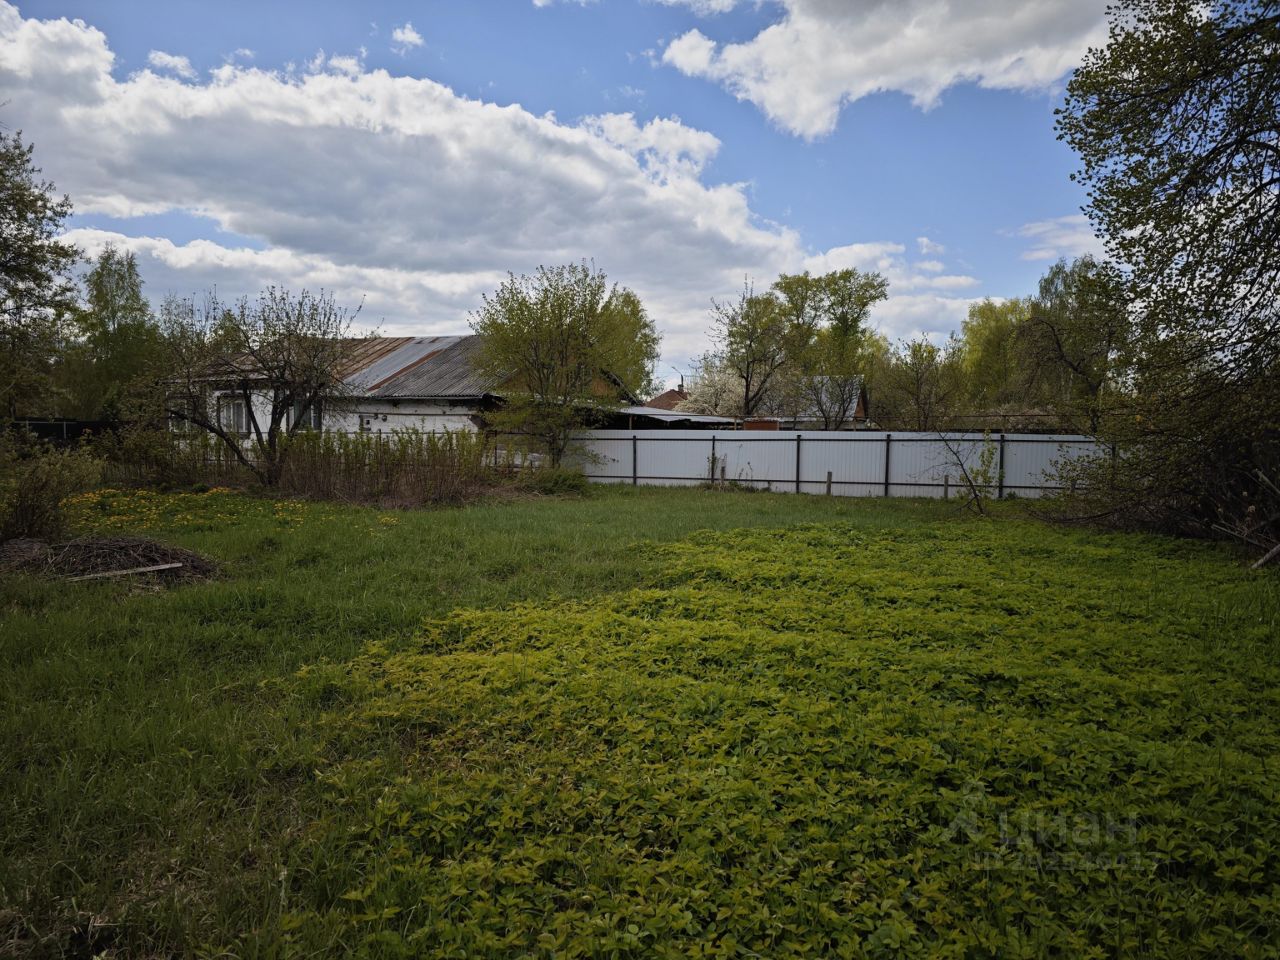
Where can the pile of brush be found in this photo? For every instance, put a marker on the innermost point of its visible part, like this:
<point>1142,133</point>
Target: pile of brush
<point>92,558</point>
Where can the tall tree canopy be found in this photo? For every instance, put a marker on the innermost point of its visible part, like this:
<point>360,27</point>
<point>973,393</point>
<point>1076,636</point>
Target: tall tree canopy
<point>920,386</point>
<point>565,344</point>
<point>832,346</point>
<point>797,349</point>
<point>994,373</point>
<point>1177,123</point>
<point>1075,338</point>
<point>36,291</point>
<point>757,334</point>
<point>118,342</point>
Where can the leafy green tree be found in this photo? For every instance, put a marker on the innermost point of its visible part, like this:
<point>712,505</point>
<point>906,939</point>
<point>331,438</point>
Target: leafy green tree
<point>1075,339</point>
<point>1177,123</point>
<point>566,346</point>
<point>36,291</point>
<point>994,371</point>
<point>921,386</point>
<point>755,336</point>
<point>119,341</point>
<point>831,314</point>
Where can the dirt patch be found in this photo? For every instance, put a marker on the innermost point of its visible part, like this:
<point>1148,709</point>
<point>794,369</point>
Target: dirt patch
<point>97,555</point>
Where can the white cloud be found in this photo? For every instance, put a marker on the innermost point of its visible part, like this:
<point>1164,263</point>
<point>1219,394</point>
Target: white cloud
<point>665,146</point>
<point>927,315</point>
<point>927,246</point>
<point>821,54</point>
<point>704,7</point>
<point>405,38</point>
<point>168,61</point>
<point>922,300</point>
<point>1070,236</point>
<point>889,260</point>
<point>397,189</point>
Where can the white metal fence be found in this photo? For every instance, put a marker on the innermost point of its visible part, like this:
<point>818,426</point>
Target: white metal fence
<point>843,464</point>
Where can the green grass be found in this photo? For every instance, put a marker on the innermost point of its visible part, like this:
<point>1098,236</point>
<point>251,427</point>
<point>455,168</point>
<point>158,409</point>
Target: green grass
<point>563,727</point>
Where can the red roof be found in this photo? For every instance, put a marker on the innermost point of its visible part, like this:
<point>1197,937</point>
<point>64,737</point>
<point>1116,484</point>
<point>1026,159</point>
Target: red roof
<point>668,400</point>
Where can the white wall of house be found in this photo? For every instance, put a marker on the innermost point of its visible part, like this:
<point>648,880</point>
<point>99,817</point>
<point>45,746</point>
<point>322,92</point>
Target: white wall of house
<point>385,416</point>
<point>364,415</point>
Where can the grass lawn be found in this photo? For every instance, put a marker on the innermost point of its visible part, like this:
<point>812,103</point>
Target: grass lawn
<point>646,723</point>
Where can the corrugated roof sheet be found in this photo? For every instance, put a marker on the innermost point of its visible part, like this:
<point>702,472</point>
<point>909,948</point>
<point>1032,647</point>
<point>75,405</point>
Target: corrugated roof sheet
<point>673,416</point>
<point>362,353</point>
<point>386,365</point>
<point>431,367</point>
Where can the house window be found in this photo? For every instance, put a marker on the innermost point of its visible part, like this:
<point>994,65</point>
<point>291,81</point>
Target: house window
<point>183,424</point>
<point>234,415</point>
<point>308,419</point>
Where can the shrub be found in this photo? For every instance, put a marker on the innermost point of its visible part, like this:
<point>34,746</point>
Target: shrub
<point>34,480</point>
<point>140,455</point>
<point>405,466</point>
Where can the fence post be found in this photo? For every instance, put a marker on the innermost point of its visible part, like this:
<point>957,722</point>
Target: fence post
<point>713,460</point>
<point>798,438</point>
<point>1000,491</point>
<point>635,469</point>
<point>946,487</point>
<point>828,483</point>
<point>888,441</point>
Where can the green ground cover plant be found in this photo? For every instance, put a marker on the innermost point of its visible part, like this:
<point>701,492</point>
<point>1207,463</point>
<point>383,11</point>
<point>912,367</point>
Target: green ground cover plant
<point>643,723</point>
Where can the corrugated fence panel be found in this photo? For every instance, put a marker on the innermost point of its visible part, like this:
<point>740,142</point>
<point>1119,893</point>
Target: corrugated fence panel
<point>1030,465</point>
<point>680,461</point>
<point>843,464</point>
<point>854,461</point>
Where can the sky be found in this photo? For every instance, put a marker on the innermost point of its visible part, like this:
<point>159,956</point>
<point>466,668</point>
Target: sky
<point>407,155</point>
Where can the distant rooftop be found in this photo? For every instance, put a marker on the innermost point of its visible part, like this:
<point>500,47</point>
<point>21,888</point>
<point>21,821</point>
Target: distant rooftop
<point>668,399</point>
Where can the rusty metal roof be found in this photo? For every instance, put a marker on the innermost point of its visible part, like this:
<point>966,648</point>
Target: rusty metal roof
<point>359,354</point>
<point>426,368</point>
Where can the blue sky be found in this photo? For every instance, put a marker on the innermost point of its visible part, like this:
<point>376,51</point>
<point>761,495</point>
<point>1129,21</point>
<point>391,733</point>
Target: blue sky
<point>215,140</point>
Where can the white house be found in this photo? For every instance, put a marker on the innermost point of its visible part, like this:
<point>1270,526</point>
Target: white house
<point>429,384</point>
<point>395,383</point>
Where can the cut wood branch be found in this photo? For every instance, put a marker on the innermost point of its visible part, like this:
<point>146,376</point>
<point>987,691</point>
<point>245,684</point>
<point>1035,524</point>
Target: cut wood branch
<point>155,568</point>
<point>1267,558</point>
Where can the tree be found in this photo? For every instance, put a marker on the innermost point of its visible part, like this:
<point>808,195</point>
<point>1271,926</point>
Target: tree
<point>1074,336</point>
<point>36,291</point>
<point>119,340</point>
<point>830,315</point>
<point>994,371</point>
<point>713,389</point>
<point>566,345</point>
<point>258,370</point>
<point>921,385</point>
<point>756,335</point>
<point>1177,123</point>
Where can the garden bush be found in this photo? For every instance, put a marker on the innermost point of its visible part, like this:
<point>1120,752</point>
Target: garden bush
<point>139,455</point>
<point>406,466</point>
<point>35,479</point>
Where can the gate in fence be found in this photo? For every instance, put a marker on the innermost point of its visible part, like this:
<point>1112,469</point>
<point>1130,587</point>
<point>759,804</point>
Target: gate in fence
<point>839,464</point>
